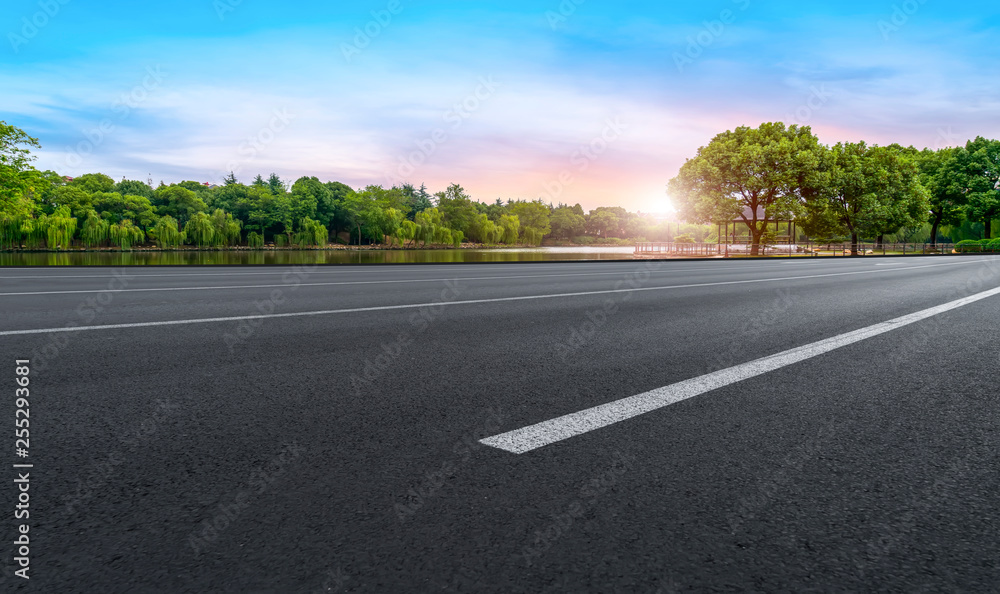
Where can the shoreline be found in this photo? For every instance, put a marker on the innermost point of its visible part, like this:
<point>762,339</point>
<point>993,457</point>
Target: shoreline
<point>272,248</point>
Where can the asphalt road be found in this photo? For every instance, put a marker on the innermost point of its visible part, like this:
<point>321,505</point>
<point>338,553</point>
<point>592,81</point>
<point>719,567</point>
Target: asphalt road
<point>189,445</point>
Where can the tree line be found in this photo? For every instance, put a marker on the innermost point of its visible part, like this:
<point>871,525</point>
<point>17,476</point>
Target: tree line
<point>44,209</point>
<point>757,176</point>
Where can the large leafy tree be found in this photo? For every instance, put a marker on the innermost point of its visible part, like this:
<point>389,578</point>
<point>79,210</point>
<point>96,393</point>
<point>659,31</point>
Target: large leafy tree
<point>333,210</point>
<point>534,219</point>
<point>134,187</point>
<point>868,190</point>
<point>945,187</point>
<point>18,179</point>
<point>566,223</point>
<point>979,164</point>
<point>418,199</point>
<point>754,175</point>
<point>180,203</point>
<point>117,208</point>
<point>457,208</point>
<point>94,182</point>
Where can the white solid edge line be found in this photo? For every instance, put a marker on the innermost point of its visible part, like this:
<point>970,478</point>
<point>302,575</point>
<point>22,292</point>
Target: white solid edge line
<point>330,284</point>
<point>373,268</point>
<point>443,303</point>
<point>548,432</point>
<point>419,280</point>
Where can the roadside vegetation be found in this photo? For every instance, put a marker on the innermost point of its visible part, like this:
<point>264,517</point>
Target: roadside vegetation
<point>851,191</point>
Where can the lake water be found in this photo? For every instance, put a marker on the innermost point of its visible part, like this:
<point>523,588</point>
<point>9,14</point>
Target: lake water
<point>540,254</point>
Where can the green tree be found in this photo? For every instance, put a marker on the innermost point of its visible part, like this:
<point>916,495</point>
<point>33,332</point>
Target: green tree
<point>133,187</point>
<point>534,220</point>
<point>94,182</point>
<point>946,190</point>
<point>125,234</point>
<point>277,186</point>
<point>117,208</point>
<point>869,190</point>
<point>980,164</point>
<point>167,234</point>
<point>95,230</point>
<point>457,208</point>
<point>200,229</point>
<point>307,194</point>
<point>18,179</point>
<point>227,229</point>
<point>566,223</point>
<point>177,202</point>
<point>510,227</point>
<point>756,175</point>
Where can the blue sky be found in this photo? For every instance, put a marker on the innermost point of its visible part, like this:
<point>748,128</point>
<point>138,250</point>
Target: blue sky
<point>594,102</point>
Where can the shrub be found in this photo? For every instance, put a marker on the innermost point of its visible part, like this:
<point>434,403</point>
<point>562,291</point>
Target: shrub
<point>684,239</point>
<point>968,246</point>
<point>255,240</point>
<point>994,245</point>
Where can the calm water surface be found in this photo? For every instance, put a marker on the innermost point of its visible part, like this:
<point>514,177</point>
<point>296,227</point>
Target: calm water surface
<point>539,254</point>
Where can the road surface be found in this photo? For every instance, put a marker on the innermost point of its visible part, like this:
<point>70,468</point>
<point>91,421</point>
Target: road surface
<point>711,426</point>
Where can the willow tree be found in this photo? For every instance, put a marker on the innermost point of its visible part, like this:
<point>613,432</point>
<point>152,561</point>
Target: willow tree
<point>10,230</point>
<point>255,240</point>
<point>489,233</point>
<point>429,222</point>
<point>227,229</point>
<point>167,233</point>
<point>311,233</point>
<point>532,236</point>
<point>200,229</point>
<point>125,234</point>
<point>407,232</point>
<point>95,230</point>
<point>59,228</point>
<point>753,175</point>
<point>510,226</point>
